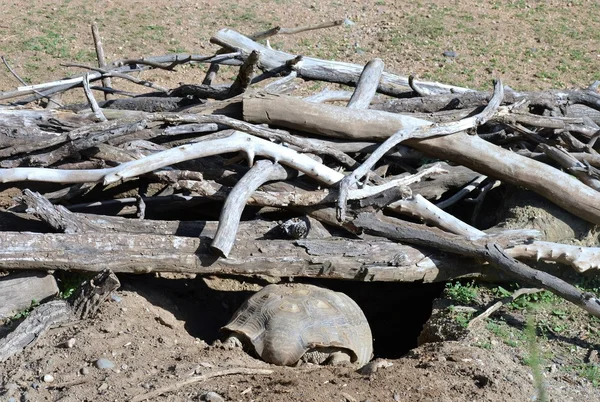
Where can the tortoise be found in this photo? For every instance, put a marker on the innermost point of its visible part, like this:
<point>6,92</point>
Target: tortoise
<point>287,324</point>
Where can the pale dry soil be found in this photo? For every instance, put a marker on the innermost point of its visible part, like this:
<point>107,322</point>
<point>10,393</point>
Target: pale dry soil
<point>157,331</point>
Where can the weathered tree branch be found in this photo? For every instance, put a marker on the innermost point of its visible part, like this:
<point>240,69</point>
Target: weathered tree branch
<point>468,150</point>
<point>490,252</point>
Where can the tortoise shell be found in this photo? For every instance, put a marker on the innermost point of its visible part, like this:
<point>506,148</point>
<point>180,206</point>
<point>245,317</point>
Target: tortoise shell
<point>283,322</point>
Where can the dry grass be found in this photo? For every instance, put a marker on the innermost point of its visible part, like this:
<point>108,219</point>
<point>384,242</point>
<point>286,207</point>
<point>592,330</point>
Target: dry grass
<point>531,45</point>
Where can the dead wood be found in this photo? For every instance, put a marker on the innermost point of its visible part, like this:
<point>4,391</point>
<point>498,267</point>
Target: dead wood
<point>33,327</point>
<point>572,165</point>
<point>491,252</point>
<point>199,379</point>
<point>150,153</point>
<point>363,260</point>
<point>322,70</point>
<point>20,290</point>
<point>106,81</point>
<point>83,304</point>
<point>60,219</point>
<point>417,132</point>
<point>86,300</point>
<point>291,31</point>
<point>366,85</point>
<point>229,220</point>
<point>461,148</point>
<point>489,311</point>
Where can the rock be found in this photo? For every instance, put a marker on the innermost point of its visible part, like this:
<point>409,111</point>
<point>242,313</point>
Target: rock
<point>68,344</point>
<point>443,325</point>
<point>593,357</point>
<point>84,371</point>
<point>212,397</point>
<point>48,378</point>
<point>104,364</point>
<point>11,389</point>
<point>103,387</point>
<point>450,53</point>
<point>348,397</point>
<point>108,328</point>
<point>375,365</point>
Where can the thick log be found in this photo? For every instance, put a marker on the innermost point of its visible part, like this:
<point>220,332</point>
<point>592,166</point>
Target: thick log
<point>461,148</point>
<point>83,303</point>
<point>39,321</point>
<point>61,219</point>
<point>486,250</point>
<point>323,70</point>
<point>18,291</point>
<point>363,260</point>
<point>323,119</point>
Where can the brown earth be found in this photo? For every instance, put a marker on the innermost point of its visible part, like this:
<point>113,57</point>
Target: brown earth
<point>156,330</point>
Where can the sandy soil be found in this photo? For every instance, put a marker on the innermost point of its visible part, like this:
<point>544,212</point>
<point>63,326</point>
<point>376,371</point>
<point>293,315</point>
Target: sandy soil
<point>158,331</point>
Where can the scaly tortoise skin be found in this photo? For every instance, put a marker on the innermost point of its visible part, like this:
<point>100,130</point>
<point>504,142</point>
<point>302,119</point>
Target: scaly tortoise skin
<point>284,323</point>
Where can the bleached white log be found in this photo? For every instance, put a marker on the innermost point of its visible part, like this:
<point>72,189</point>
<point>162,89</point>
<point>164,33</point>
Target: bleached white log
<point>417,131</point>
<point>235,142</point>
<point>580,258</point>
<point>367,85</point>
<point>329,95</point>
<point>420,207</point>
<point>324,70</point>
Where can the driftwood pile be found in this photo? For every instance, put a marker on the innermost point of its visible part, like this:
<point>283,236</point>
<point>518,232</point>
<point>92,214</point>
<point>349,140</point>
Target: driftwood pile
<point>345,167</point>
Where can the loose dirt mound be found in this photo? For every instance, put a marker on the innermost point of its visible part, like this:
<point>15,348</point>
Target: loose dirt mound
<point>147,336</point>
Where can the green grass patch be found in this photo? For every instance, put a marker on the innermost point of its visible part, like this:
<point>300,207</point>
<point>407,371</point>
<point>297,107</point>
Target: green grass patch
<point>51,43</point>
<point>462,293</point>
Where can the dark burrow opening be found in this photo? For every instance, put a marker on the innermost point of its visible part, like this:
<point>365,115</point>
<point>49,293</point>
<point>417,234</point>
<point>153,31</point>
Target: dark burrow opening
<point>396,311</point>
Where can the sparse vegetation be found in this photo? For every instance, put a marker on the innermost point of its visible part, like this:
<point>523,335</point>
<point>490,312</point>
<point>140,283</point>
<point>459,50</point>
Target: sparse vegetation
<point>25,313</point>
<point>534,360</point>
<point>554,48</point>
<point>462,293</point>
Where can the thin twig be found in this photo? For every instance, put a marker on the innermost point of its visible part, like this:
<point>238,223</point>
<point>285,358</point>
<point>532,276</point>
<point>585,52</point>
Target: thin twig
<point>93,103</point>
<point>106,73</point>
<point>14,73</point>
<point>462,193</point>
<point>197,379</point>
<point>290,31</point>
<point>417,132</point>
<point>496,306</point>
<point>106,82</point>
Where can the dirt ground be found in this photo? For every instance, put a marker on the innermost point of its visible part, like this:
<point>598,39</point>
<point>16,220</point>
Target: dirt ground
<point>158,331</point>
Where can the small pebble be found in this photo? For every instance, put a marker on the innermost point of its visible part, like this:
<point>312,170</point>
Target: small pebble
<point>69,343</point>
<point>212,397</point>
<point>84,371</point>
<point>450,53</point>
<point>104,364</point>
<point>11,389</point>
<point>35,385</point>
<point>103,387</point>
<point>48,378</point>
<point>348,397</point>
